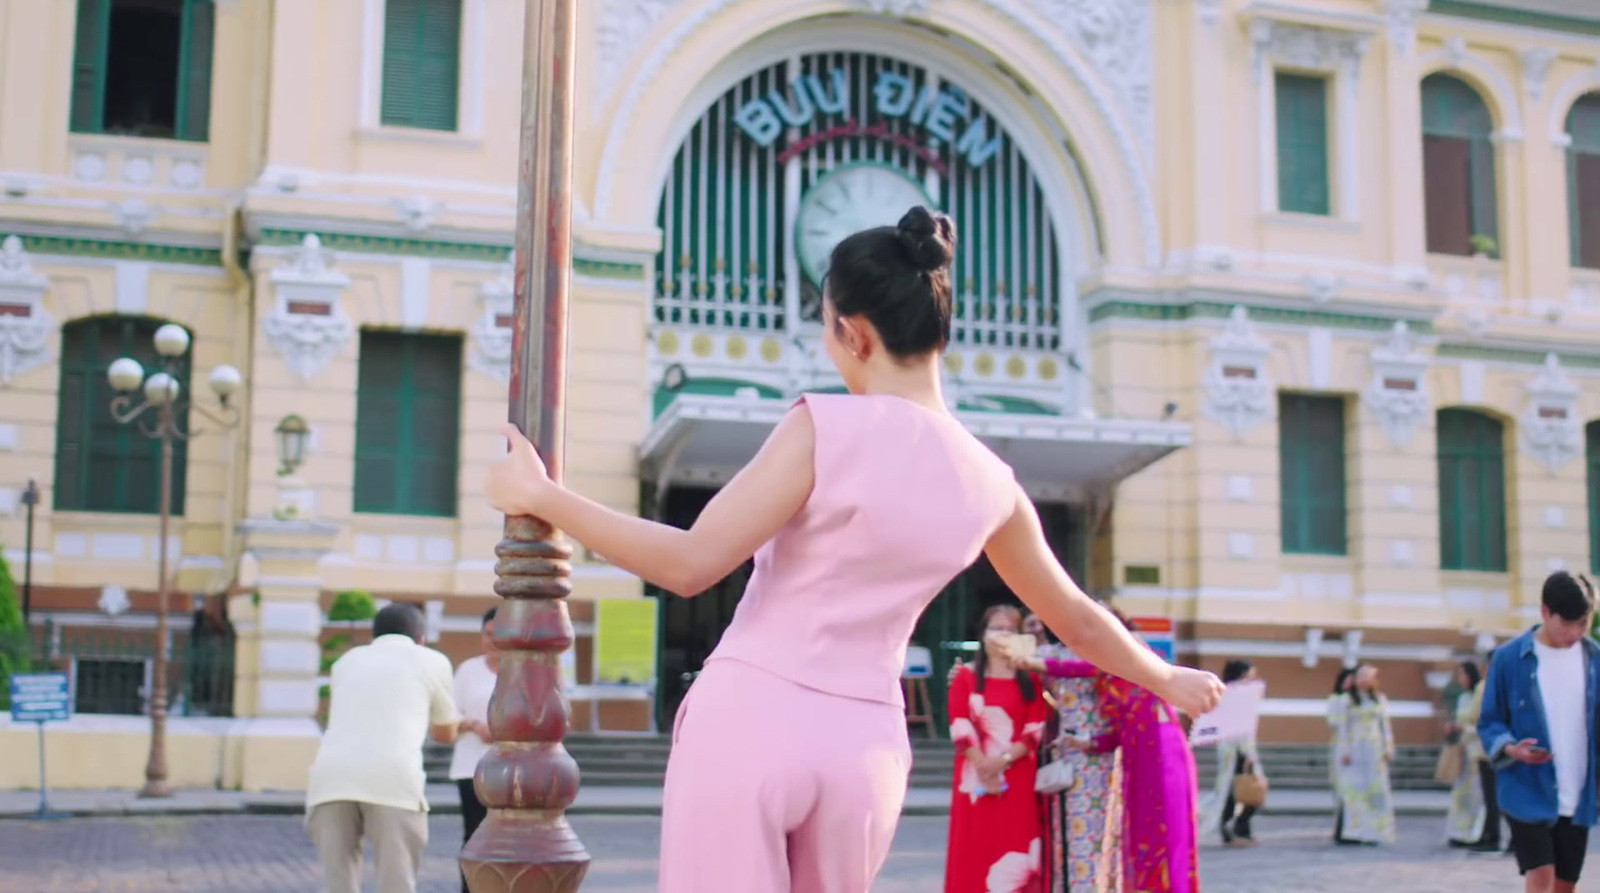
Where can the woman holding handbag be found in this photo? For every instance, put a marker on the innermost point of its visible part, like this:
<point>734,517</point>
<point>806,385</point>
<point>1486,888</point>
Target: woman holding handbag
<point>1241,786</point>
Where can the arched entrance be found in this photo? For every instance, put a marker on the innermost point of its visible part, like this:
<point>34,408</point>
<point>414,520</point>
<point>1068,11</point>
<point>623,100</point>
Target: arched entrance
<point>788,154</point>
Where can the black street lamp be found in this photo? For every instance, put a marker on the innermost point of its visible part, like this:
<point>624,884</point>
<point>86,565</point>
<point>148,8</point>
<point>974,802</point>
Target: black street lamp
<point>30,498</point>
<point>161,395</point>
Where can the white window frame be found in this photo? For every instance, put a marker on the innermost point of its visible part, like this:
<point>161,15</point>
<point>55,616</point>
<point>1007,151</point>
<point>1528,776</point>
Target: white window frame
<point>469,102</point>
<point>1334,53</point>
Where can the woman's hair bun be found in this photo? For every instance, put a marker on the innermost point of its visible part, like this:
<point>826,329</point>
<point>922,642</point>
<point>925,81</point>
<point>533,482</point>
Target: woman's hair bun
<point>929,239</point>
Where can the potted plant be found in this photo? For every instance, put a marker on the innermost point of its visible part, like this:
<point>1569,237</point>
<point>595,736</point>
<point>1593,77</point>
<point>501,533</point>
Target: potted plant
<point>1484,246</point>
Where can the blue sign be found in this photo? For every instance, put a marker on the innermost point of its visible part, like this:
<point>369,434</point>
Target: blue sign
<point>40,697</point>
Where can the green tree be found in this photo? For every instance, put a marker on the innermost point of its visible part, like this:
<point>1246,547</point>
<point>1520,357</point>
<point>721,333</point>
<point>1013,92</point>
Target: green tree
<point>349,607</point>
<point>14,646</point>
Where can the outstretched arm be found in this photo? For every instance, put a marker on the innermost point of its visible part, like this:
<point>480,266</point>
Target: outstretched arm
<point>1023,559</point>
<point>746,513</point>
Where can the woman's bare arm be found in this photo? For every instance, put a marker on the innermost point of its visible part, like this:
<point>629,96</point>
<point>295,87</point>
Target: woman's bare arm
<point>743,515</point>
<point>1022,557</point>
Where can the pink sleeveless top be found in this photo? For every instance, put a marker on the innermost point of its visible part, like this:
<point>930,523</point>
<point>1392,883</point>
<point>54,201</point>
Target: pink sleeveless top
<point>905,499</point>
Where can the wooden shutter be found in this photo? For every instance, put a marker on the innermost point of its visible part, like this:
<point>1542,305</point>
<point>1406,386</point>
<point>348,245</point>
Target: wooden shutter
<point>1302,105</point>
<point>1585,199</point>
<point>380,429</point>
<point>421,63</point>
<point>1311,454</point>
<point>89,66</point>
<point>1472,510</point>
<point>194,70</point>
<point>1447,191</point>
<point>101,464</point>
<point>408,424</point>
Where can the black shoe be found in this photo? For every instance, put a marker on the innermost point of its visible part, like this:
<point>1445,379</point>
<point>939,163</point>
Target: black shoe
<point>1484,849</point>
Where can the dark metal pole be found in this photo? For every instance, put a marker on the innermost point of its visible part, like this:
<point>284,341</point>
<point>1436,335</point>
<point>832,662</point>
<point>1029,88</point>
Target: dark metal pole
<point>528,779</point>
<point>30,498</point>
<point>155,770</point>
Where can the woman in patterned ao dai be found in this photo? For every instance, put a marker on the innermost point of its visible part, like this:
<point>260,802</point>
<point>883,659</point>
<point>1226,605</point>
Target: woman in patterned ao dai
<point>1364,748</point>
<point>997,718</point>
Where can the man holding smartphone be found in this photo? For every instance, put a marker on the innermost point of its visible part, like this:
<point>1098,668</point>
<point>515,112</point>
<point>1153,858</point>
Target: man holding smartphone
<point>1537,722</point>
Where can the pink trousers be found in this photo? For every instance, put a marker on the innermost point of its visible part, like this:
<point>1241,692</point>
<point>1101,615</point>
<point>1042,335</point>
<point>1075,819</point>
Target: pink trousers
<point>777,788</point>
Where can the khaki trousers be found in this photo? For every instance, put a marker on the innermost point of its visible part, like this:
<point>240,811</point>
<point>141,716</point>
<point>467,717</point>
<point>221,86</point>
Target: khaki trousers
<point>398,837</point>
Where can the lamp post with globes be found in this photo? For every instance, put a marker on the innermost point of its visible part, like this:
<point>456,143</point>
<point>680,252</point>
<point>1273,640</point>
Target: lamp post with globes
<point>160,415</point>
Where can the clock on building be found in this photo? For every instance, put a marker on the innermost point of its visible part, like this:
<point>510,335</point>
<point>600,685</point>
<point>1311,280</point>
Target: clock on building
<point>848,199</point>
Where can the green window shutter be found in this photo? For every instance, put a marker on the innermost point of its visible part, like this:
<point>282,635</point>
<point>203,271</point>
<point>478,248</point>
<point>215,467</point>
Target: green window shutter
<point>421,63</point>
<point>102,465</point>
<point>1302,105</point>
<point>1311,453</point>
<point>194,70</point>
<point>408,423</point>
<point>1583,181</point>
<point>1472,501</point>
<point>89,66</point>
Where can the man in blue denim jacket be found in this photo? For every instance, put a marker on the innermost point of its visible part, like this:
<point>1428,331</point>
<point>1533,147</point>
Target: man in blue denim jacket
<point>1538,728</point>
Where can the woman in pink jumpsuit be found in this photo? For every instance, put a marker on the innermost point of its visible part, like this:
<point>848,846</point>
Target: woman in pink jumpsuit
<point>790,756</point>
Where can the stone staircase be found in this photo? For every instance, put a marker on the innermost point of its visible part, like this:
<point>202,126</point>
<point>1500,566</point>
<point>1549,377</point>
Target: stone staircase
<point>628,761</point>
<point>1305,767</point>
<point>641,761</point>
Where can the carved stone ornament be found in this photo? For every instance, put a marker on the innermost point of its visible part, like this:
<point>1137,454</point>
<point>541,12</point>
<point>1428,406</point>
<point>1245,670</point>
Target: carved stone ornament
<point>1238,392</point>
<point>1398,393</point>
<point>307,326</point>
<point>1402,15</point>
<point>1208,11</point>
<point>25,325</point>
<point>1550,426</point>
<point>491,337</point>
<point>1536,62</point>
<point>1306,47</point>
<point>620,29</point>
<point>1115,36</point>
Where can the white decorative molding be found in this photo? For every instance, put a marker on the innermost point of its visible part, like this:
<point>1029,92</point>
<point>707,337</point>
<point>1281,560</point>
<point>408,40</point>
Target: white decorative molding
<point>1458,55</point>
<point>308,327</point>
<point>1238,392</point>
<point>1136,164</point>
<point>1279,44</point>
<point>1402,15</point>
<point>901,8</point>
<point>1116,37</point>
<point>621,25</point>
<point>1398,392</point>
<point>491,337</point>
<point>113,600</point>
<point>133,215</point>
<point>1550,426</point>
<point>1536,62</point>
<point>25,325</point>
<point>1564,96</point>
<point>418,212</point>
<point>1322,286</point>
<point>1209,12</point>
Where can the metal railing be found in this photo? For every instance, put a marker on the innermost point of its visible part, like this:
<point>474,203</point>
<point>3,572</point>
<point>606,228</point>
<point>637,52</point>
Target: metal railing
<point>109,669</point>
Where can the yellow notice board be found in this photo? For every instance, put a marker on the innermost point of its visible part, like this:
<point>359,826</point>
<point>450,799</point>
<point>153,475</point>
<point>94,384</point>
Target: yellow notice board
<point>625,641</point>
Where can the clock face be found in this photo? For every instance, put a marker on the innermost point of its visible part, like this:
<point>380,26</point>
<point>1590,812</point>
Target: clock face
<point>848,200</point>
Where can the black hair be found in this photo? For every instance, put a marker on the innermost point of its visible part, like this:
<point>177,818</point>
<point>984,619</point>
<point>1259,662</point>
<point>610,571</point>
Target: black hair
<point>400,618</point>
<point>1474,675</point>
<point>981,664</point>
<point>1355,690</point>
<point>488,616</point>
<point>1566,597</point>
<point>1339,681</point>
<point>1234,670</point>
<point>898,277</point>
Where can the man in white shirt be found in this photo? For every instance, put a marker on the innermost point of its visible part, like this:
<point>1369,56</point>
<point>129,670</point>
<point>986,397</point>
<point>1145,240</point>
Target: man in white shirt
<point>367,780</point>
<point>474,685</point>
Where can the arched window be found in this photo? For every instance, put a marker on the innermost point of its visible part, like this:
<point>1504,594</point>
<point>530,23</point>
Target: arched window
<point>102,465</point>
<point>1472,492</point>
<point>1583,180</point>
<point>1592,453</point>
<point>1458,169</point>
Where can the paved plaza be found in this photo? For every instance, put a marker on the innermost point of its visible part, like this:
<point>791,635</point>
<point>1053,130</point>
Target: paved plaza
<point>270,854</point>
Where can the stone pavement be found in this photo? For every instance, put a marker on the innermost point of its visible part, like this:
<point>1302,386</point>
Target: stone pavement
<point>247,853</point>
<point>591,801</point>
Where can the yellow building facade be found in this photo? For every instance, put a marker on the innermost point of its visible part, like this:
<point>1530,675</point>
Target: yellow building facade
<point>1287,313</point>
